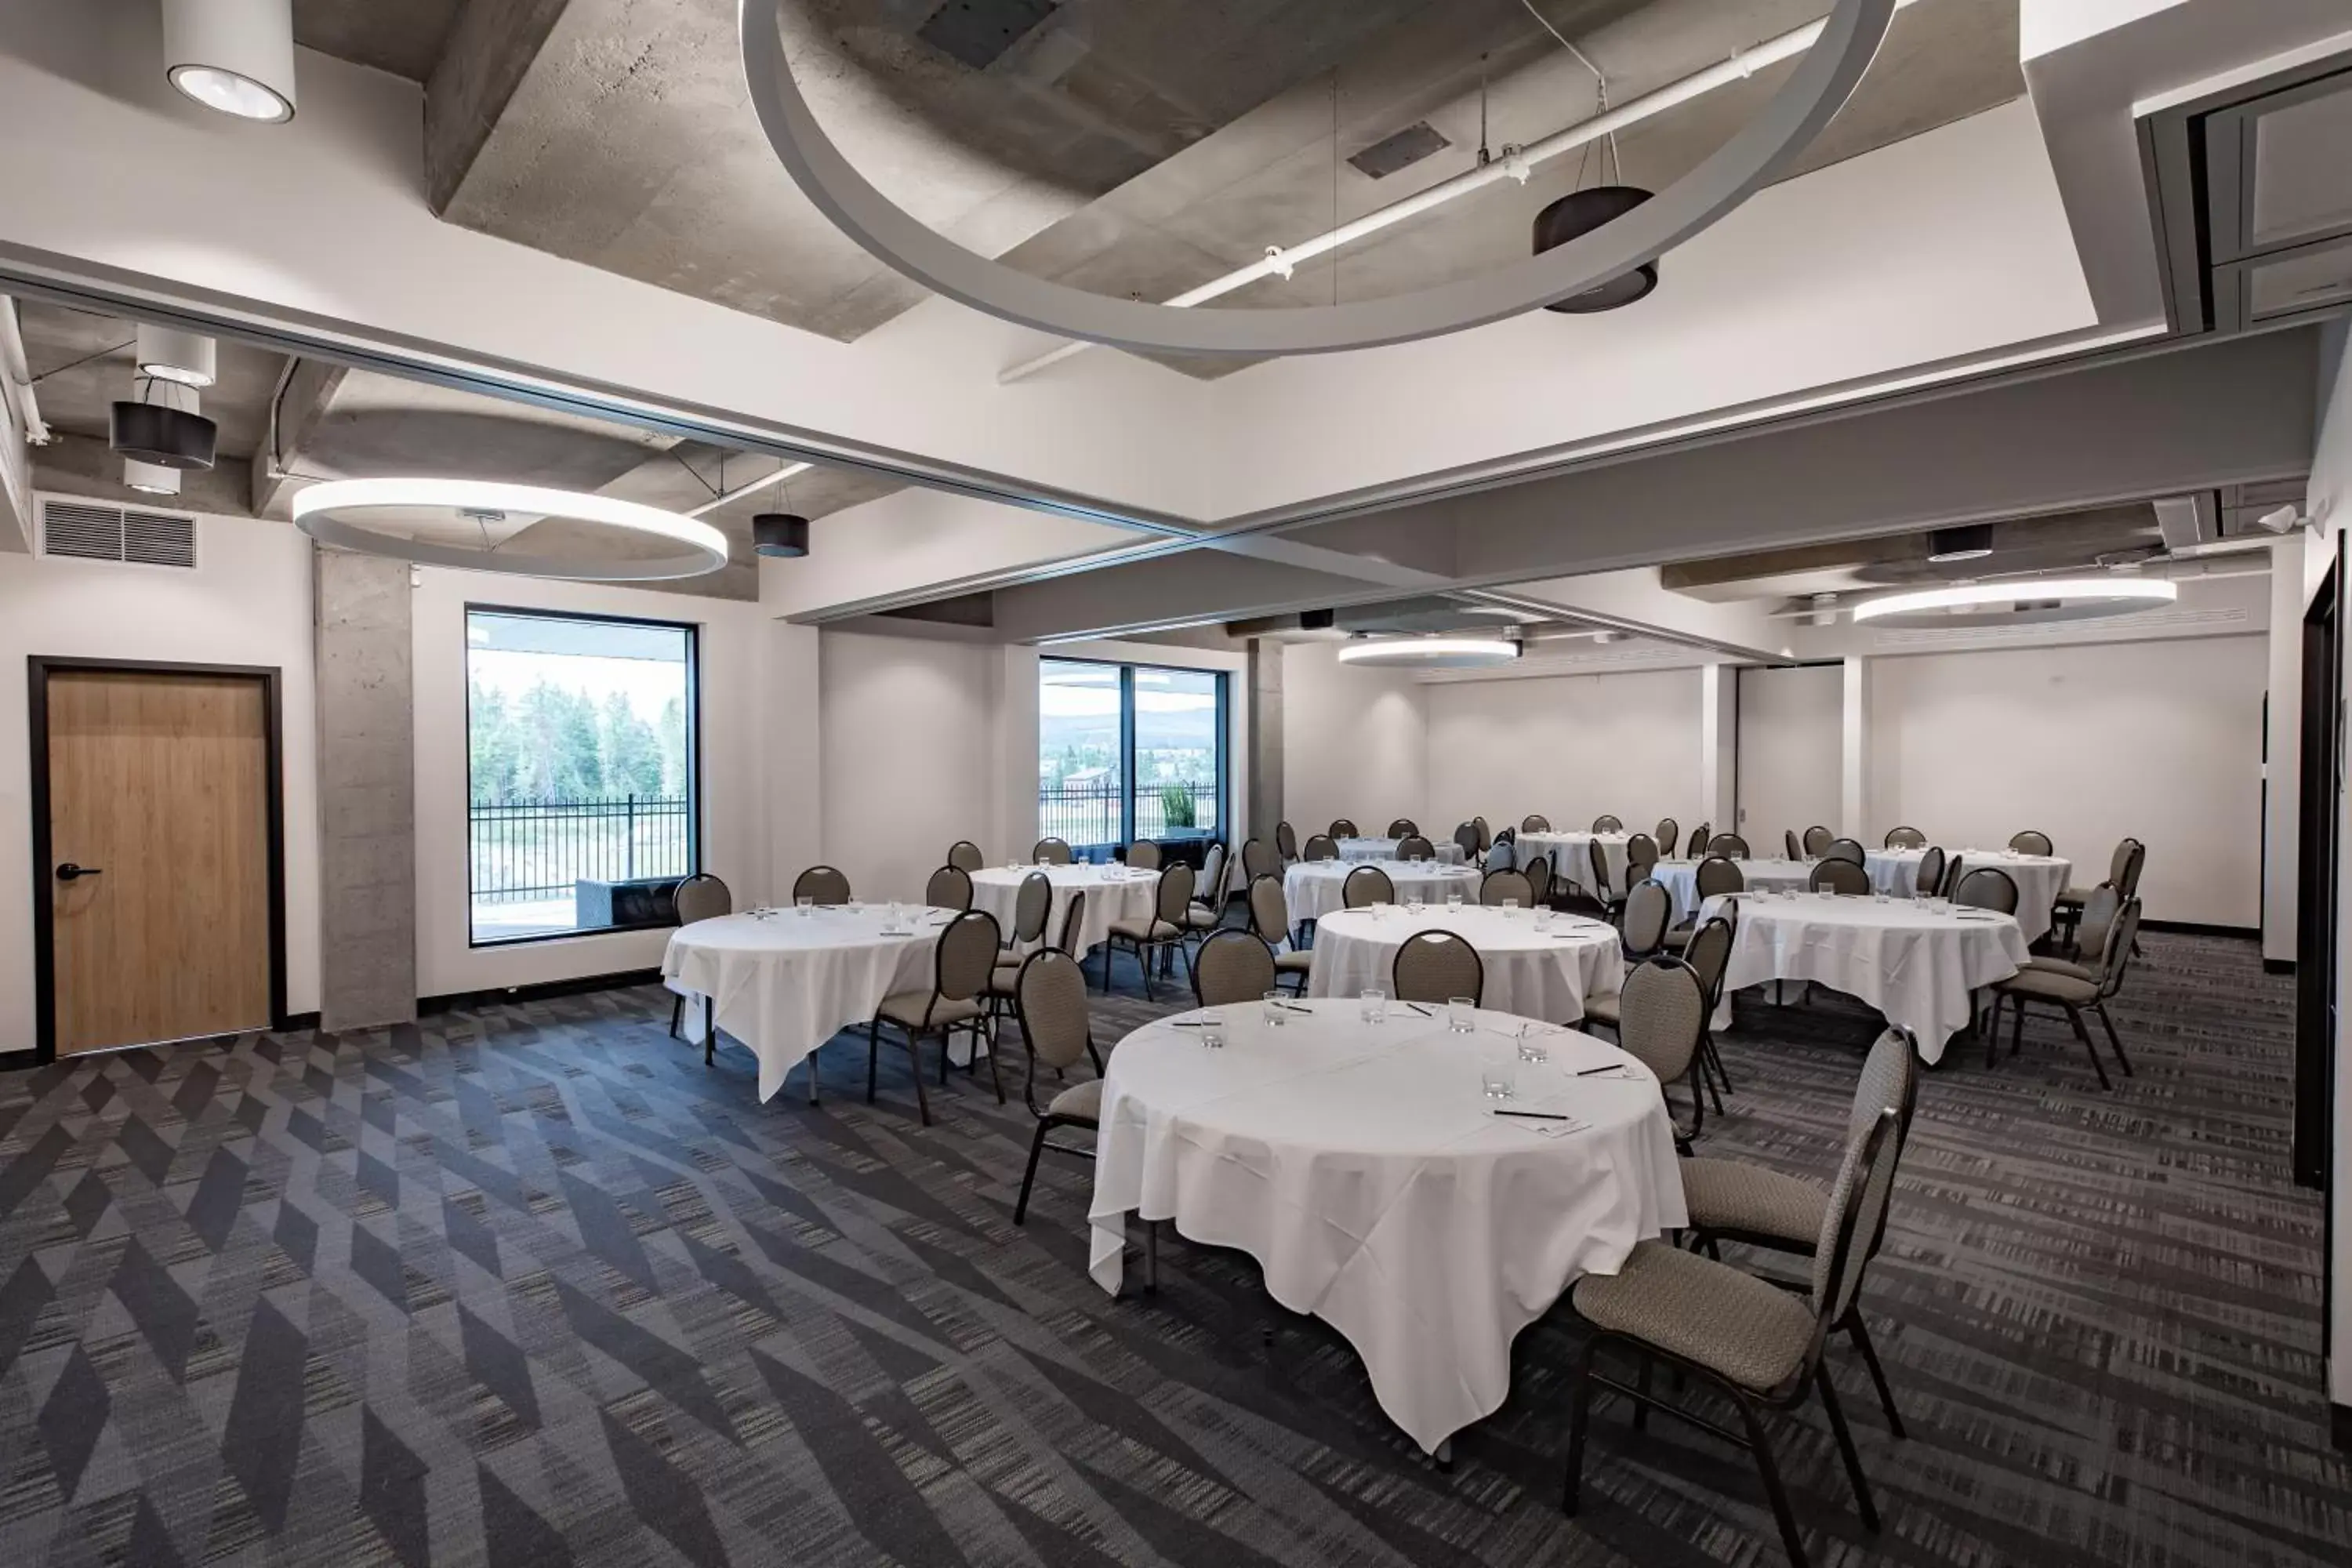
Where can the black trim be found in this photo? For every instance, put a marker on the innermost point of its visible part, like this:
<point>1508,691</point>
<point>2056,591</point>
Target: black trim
<point>2339,1425</point>
<point>2199,928</point>
<point>38,669</point>
<point>693,630</point>
<point>2278,966</point>
<point>507,996</point>
<point>298,1022</point>
<point>1130,792</point>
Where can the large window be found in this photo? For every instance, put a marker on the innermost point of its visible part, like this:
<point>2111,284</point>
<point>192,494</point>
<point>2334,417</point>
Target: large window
<point>1127,752</point>
<point>582,787</point>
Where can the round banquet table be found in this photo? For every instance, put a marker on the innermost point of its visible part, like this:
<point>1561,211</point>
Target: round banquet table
<point>2039,878</point>
<point>1114,894</point>
<point>784,983</point>
<point>1313,888</point>
<point>1916,961</point>
<point>1571,856</point>
<point>1681,880</point>
<point>1361,1165</point>
<point>1534,973</point>
<point>1386,849</point>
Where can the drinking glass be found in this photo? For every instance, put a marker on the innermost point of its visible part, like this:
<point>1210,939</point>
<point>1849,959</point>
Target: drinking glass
<point>1376,1004</point>
<point>1274,1009</point>
<point>1543,918</point>
<point>1510,906</point>
<point>1452,900</point>
<point>1499,1078</point>
<point>1416,904</point>
<point>1213,1031</point>
<point>1460,1015</point>
<point>804,903</point>
<point>1532,1049</point>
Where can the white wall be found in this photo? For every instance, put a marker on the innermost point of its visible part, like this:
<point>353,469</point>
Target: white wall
<point>1791,729</point>
<point>2161,740</point>
<point>1570,747</point>
<point>1355,743</point>
<point>248,602</point>
<point>2329,505</point>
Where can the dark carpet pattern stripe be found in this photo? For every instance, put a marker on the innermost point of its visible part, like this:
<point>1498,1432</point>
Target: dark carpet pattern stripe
<point>531,1285</point>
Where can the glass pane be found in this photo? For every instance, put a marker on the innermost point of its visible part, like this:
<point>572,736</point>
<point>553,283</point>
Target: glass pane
<point>1081,791</point>
<point>581,794</point>
<point>1178,750</point>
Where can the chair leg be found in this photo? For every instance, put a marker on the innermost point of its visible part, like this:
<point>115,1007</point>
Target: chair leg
<point>1992,1032</point>
<point>2016,1025</point>
<point>1641,1406</point>
<point>710,1033</point>
<point>1860,1332</point>
<point>994,1080</point>
<point>2083,1033</point>
<point>1029,1176</point>
<point>1579,1416</point>
<point>915,1060</point>
<point>1761,1447</point>
<point>1707,1070</point>
<point>1143,963</point>
<point>1862,1498</point>
<point>677,1014</point>
<point>2108,1024</point>
<point>946,1036</point>
<point>873,1055</point>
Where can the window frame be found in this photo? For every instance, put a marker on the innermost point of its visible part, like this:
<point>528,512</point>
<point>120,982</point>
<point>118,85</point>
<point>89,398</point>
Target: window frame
<point>694,803</point>
<point>1126,718</point>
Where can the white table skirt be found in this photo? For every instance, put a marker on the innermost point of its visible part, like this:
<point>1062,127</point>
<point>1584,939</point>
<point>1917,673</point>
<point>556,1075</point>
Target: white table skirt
<point>1571,856</point>
<point>1544,975</point>
<point>1446,850</point>
<point>1681,880</point>
<point>1313,888</point>
<point>785,982</point>
<point>1114,895</point>
<point>2039,878</point>
<point>1361,1166</point>
<point>1918,962</point>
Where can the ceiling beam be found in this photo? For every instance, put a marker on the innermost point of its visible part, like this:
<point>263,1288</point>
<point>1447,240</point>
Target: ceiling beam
<point>305,392</point>
<point>489,50</point>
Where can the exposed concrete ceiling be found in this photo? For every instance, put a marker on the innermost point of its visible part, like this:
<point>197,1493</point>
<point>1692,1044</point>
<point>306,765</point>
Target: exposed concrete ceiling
<point>403,36</point>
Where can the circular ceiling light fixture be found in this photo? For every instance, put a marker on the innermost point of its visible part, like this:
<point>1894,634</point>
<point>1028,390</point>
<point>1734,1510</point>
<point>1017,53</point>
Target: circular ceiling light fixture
<point>1578,214</point>
<point>2022,602</point>
<point>783,535</point>
<point>1431,653</point>
<point>493,514</point>
<point>161,433</point>
<point>1806,101</point>
<point>233,56</point>
<point>185,359</point>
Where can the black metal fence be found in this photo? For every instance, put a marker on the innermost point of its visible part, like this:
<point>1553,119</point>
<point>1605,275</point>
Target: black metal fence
<point>540,849</point>
<point>1093,813</point>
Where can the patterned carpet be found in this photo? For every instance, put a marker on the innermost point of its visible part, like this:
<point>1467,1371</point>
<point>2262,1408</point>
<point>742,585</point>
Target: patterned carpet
<point>531,1285</point>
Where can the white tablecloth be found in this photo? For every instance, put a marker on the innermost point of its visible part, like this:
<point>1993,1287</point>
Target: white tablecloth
<point>1113,895</point>
<point>2039,878</point>
<point>1312,887</point>
<point>1681,880</point>
<point>1386,849</point>
<point>1534,973</point>
<point>784,983</point>
<point>1915,962</point>
<point>1571,856</point>
<point>1361,1166</point>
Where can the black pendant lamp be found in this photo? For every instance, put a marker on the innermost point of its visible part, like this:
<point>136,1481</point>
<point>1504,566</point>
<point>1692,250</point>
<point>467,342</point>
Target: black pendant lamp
<point>160,434</point>
<point>1580,213</point>
<point>782,535</point>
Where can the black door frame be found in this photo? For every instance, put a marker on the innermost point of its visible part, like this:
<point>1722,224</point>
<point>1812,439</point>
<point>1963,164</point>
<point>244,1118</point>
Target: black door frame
<point>2321,782</point>
<point>38,668</point>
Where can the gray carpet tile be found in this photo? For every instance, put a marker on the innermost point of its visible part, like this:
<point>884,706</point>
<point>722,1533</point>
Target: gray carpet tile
<point>531,1285</point>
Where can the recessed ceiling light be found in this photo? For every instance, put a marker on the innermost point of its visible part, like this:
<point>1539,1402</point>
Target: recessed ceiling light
<point>150,478</point>
<point>232,56</point>
<point>1431,653</point>
<point>2051,598</point>
<point>185,359</point>
<point>324,511</point>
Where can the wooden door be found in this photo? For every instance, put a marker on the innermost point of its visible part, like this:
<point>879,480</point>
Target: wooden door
<point>159,856</point>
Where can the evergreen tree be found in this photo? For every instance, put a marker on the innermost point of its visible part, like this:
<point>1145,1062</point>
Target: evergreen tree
<point>494,749</point>
<point>672,736</point>
<point>562,756</point>
<point>632,751</point>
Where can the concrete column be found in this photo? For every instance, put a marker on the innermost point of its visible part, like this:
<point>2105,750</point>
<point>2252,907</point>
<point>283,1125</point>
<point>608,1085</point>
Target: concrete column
<point>1264,759</point>
<point>1718,745</point>
<point>1854,808</point>
<point>2282,754</point>
<point>367,791</point>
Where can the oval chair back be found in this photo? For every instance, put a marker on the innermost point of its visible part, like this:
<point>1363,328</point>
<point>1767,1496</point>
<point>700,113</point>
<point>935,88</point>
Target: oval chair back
<point>1789,844</point>
<point>1403,827</point>
<point>2031,841</point>
<point>1535,822</point>
<point>1321,847</point>
<point>2099,911</point>
<point>1050,851</point>
<point>1033,906</point>
<point>966,956</point>
<point>1344,827</point>
<point>965,855</point>
<point>1987,889</point>
<point>1849,850</point>
<point>1905,838</point>
<point>1642,921</point>
<point>1465,838</point>
<point>1841,877</point>
<point>2116,956</point>
<point>1210,888</point>
<point>1286,841</point>
<point>1175,894</point>
<point>2128,884</point>
<point>1931,872</point>
<point>1953,872</point>
<point>1499,888</point>
<point>1605,823</point>
<point>1073,919</point>
<point>821,884</point>
<point>1143,855</point>
<point>1662,1015</point>
<point>1413,847</point>
<point>1641,856</point>
<point>1669,830</point>
<point>1729,844</point>
<point>1537,871</point>
<point>702,898</point>
<point>1597,860</point>
<point>1719,874</point>
<point>1486,833</point>
<point>1817,841</point>
<point>1889,1082</point>
<point>1699,839</point>
<point>1433,967</point>
<point>1367,885</point>
<point>1232,966</point>
<point>1269,911</point>
<point>949,888</point>
<point>1854,1216</point>
<point>1708,953</point>
<point>1259,858</point>
<point>1050,996</point>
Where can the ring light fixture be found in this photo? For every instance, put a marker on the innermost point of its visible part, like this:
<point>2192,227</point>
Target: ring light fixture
<point>327,513</point>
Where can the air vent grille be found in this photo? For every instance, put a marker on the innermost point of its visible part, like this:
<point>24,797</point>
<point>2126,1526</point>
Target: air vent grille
<point>89,531</point>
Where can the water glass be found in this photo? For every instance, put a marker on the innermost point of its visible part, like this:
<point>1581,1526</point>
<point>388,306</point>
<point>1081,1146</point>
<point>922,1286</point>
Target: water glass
<point>1510,906</point>
<point>1452,900</point>
<point>1275,1008</point>
<point>1543,918</point>
<point>805,904</point>
<point>1416,904</point>
<point>1532,1049</point>
<point>1376,1004</point>
<point>1499,1079</point>
<point>1213,1031</point>
<point>1460,1015</point>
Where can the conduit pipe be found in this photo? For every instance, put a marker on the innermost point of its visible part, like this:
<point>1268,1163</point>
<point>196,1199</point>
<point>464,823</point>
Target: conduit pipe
<point>1282,261</point>
<point>728,498</point>
<point>17,375</point>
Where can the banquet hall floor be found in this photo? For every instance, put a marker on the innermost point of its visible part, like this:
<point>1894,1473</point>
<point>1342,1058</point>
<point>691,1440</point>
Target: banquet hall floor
<point>531,1285</point>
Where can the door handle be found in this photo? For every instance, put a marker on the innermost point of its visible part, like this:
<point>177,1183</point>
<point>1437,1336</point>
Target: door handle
<point>69,871</point>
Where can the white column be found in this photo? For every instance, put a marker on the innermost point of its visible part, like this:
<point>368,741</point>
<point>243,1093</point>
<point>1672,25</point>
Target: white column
<point>1016,791</point>
<point>2282,767</point>
<point>793,765</point>
<point>1854,811</point>
<point>1718,744</point>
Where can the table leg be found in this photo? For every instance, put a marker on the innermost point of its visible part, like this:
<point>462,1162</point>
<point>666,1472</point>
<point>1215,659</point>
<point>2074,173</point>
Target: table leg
<point>710,1034</point>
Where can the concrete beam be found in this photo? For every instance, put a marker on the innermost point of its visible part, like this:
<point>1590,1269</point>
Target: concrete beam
<point>489,49</point>
<point>302,403</point>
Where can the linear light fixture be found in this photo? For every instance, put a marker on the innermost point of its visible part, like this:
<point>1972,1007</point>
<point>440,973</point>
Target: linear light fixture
<point>1431,653</point>
<point>2123,593</point>
<point>323,511</point>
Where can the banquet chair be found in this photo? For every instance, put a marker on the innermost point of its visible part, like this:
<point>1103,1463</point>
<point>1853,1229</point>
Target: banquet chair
<point>1842,877</point>
<point>1789,844</point>
<point>949,888</point>
<point>1413,847</point>
<point>1669,830</point>
<point>701,896</point>
<point>1403,827</point>
<point>1486,833</point>
<point>1605,823</point>
<point>821,884</point>
<point>1050,851</point>
<point>1367,885</point>
<point>963,961</point>
<point>1286,841</point>
<point>1931,873</point>
<point>1033,907</point>
<point>1699,839</point>
<point>1817,841</point>
<point>1465,838</point>
<point>1143,855</point>
<point>1987,889</point>
<point>1050,999</point>
<point>1659,1017</point>
<point>1206,912</point>
<point>1848,849</point>
<point>1497,887</point>
<point>1433,967</point>
<point>1269,917</point>
<point>2123,875</point>
<point>1343,828</point>
<point>1320,847</point>
<point>1161,931</point>
<point>2075,995</point>
<point>1755,1205</point>
<point>1232,967</point>
<point>1537,871</point>
<point>1905,838</point>
<point>1535,822</point>
<point>1507,835</point>
<point>1761,1345</point>
<point>965,855</point>
<point>1259,858</point>
<point>1716,877</point>
<point>1953,869</point>
<point>1641,918</point>
<point>2090,934</point>
<point>1074,924</point>
<point>2031,841</point>
<point>1640,857</point>
<point>1730,844</point>
<point>1604,886</point>
<point>1708,951</point>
